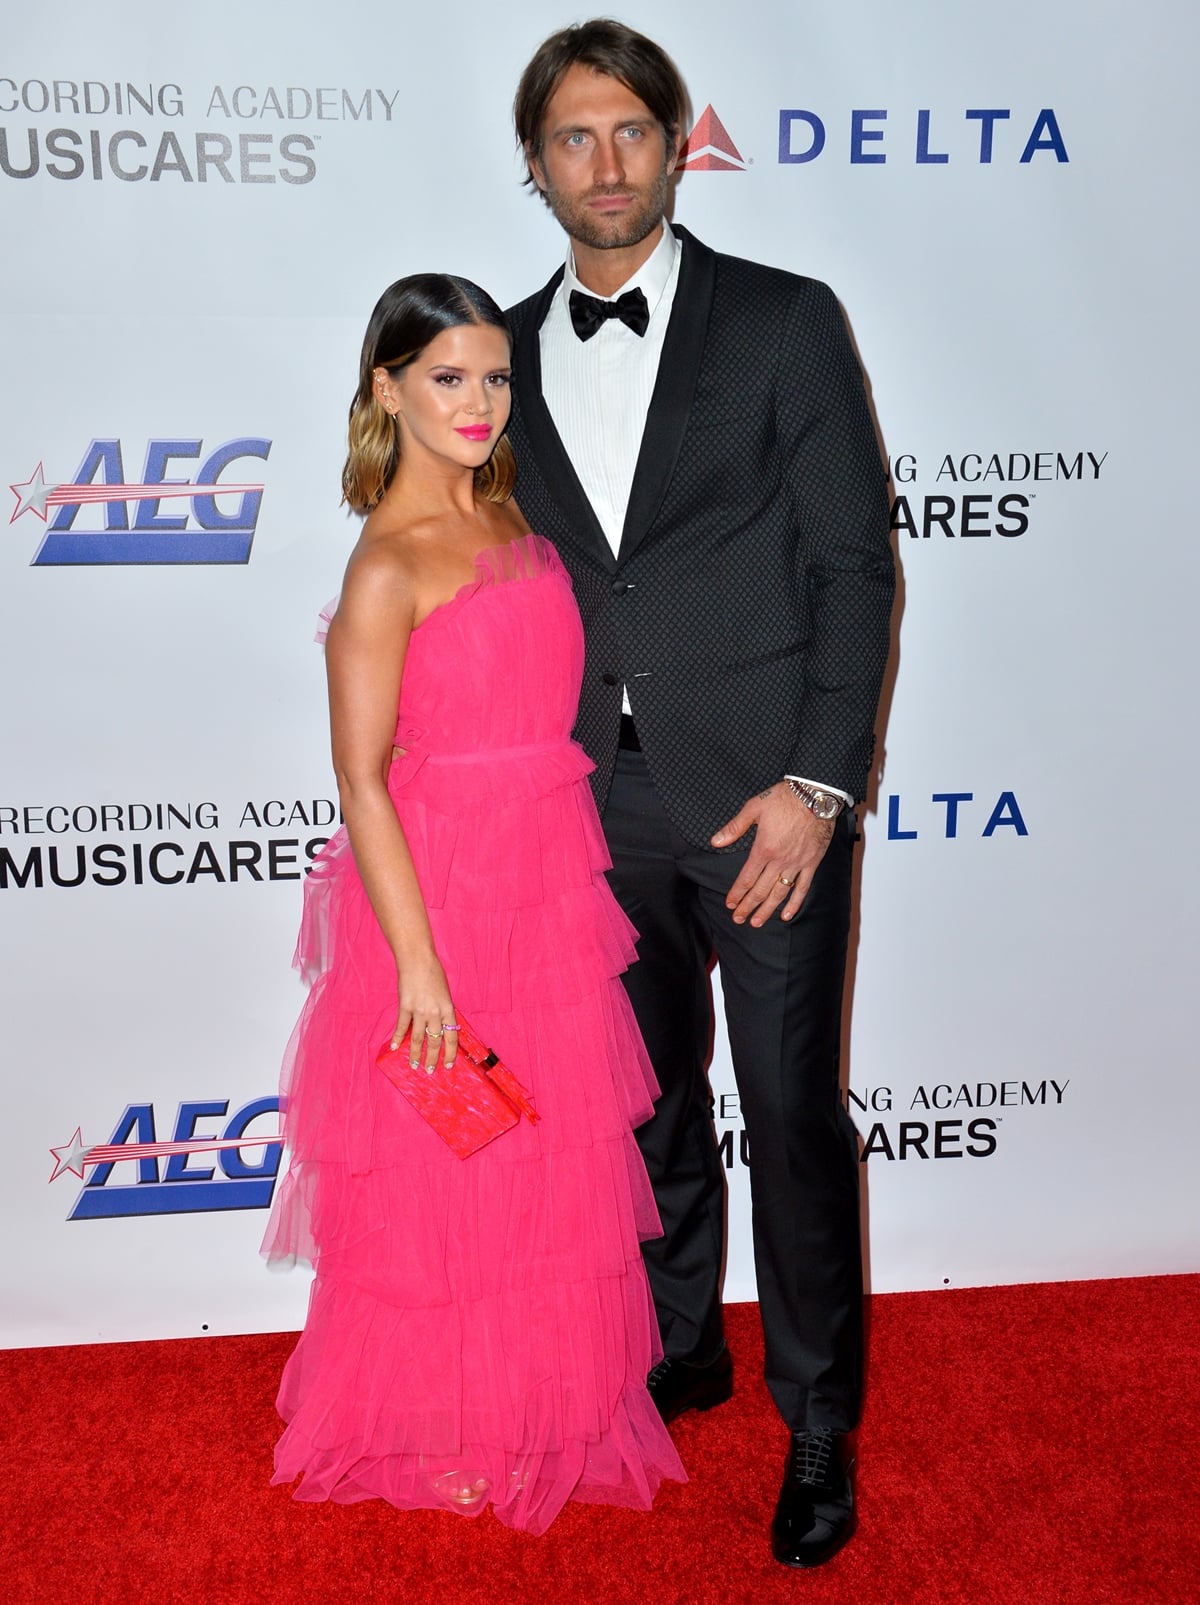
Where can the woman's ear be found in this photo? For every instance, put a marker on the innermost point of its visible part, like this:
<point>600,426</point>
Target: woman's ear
<point>384,389</point>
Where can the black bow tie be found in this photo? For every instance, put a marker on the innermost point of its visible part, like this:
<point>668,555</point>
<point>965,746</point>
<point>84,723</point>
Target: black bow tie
<point>587,313</point>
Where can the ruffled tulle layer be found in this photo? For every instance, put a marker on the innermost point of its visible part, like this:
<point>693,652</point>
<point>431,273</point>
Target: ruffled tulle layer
<point>393,1404</point>
<point>510,857</point>
<point>422,1224</point>
<point>536,977</point>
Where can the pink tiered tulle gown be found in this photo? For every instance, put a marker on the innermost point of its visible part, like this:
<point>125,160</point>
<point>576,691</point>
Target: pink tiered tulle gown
<point>488,1315</point>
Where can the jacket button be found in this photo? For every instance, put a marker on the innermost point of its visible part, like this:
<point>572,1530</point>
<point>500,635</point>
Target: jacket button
<point>610,678</point>
<point>620,587</point>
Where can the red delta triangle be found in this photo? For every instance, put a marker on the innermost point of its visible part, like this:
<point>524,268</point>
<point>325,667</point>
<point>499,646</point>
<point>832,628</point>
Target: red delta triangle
<point>708,148</point>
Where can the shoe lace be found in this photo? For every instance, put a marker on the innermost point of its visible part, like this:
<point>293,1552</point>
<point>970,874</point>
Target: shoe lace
<point>811,1458</point>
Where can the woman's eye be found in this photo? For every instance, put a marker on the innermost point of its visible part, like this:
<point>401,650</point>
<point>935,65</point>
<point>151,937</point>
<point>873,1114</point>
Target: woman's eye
<point>447,378</point>
<point>498,378</point>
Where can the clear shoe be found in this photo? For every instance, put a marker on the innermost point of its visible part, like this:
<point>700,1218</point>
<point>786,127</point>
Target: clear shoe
<point>464,1491</point>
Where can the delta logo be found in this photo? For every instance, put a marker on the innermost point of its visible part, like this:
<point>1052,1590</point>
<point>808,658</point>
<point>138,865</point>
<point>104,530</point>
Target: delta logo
<point>709,149</point>
<point>100,517</point>
<point>238,1180</point>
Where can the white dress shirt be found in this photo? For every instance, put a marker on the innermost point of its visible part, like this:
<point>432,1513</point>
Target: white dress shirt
<point>598,390</point>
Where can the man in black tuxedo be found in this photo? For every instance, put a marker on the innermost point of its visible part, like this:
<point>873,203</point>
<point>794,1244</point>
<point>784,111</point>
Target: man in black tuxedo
<point>692,433</point>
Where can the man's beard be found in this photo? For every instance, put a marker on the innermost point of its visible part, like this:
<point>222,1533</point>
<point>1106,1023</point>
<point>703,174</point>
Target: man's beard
<point>607,231</point>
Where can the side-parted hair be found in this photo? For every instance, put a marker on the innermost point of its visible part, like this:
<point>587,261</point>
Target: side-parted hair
<point>407,316</point>
<point>607,47</point>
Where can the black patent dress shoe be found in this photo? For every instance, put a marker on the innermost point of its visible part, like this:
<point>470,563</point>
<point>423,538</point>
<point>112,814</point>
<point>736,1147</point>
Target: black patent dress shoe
<point>815,1513</point>
<point>679,1385</point>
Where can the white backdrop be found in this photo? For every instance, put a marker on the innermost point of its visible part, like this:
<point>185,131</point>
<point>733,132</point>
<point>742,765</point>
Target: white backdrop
<point>198,215</point>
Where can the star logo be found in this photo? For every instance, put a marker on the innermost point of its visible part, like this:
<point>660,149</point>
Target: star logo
<point>72,1156</point>
<point>32,496</point>
<point>709,149</point>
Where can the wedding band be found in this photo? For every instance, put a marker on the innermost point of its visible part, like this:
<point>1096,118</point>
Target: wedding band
<point>436,1033</point>
<point>785,881</point>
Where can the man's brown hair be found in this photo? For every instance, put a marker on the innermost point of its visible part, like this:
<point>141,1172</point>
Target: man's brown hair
<point>607,47</point>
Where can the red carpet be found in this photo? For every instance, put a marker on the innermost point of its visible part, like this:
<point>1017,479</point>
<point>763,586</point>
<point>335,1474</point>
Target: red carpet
<point>1028,1445</point>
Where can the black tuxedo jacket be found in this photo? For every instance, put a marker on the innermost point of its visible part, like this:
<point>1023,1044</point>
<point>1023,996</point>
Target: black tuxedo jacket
<point>748,607</point>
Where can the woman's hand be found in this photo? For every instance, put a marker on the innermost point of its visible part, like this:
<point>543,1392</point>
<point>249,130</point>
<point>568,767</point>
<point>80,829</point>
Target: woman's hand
<point>426,1009</point>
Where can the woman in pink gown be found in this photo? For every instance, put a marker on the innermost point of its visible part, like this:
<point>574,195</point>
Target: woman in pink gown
<point>480,1329</point>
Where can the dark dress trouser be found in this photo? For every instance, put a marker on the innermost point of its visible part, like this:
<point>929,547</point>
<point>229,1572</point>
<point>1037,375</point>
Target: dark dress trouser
<point>782,986</point>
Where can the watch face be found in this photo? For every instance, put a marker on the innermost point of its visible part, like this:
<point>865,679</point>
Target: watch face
<point>826,806</point>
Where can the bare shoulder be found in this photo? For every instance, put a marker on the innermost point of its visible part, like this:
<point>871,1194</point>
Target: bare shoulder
<point>378,589</point>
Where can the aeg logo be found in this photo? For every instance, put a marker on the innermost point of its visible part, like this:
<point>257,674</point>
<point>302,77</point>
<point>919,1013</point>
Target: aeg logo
<point>178,1189</point>
<point>215,532</point>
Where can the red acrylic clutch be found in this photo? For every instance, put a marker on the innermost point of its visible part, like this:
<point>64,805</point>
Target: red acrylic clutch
<point>469,1104</point>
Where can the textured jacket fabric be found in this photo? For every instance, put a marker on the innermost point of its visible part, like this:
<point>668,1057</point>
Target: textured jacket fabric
<point>747,609</point>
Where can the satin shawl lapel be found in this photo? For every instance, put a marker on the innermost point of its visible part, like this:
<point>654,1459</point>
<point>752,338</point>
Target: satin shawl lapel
<point>671,402</point>
<point>556,467</point>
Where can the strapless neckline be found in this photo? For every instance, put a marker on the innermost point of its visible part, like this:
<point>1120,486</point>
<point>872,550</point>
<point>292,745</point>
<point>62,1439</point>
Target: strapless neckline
<point>491,569</point>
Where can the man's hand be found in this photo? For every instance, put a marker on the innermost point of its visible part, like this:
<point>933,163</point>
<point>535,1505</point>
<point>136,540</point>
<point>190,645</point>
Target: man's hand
<point>789,844</point>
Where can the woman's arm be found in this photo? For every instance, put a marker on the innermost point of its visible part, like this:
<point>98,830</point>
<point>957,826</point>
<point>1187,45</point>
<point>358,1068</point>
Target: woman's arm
<point>364,653</point>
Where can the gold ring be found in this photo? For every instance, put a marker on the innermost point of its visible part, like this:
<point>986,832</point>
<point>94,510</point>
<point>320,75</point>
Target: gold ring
<point>785,881</point>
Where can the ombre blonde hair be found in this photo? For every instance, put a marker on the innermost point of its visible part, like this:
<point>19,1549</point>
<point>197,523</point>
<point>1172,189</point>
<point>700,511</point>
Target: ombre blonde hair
<point>407,316</point>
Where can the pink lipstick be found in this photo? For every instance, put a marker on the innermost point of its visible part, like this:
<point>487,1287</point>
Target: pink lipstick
<point>475,431</point>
